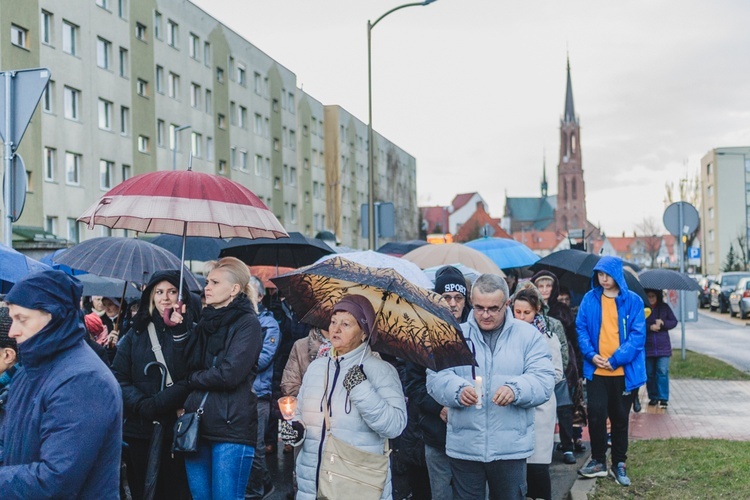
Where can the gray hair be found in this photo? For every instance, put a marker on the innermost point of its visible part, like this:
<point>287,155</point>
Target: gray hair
<point>258,284</point>
<point>490,283</point>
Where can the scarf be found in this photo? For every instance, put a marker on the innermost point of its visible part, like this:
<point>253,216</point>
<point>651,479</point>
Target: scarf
<point>541,324</point>
<point>215,323</point>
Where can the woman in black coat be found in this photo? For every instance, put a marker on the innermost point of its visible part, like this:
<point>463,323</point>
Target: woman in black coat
<point>223,365</point>
<point>145,400</point>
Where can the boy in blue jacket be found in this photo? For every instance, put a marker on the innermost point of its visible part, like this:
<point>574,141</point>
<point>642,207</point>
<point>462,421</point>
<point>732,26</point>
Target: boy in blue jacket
<point>611,330</point>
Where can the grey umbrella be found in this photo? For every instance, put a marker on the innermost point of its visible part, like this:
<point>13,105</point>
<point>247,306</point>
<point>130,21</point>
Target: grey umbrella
<point>667,279</point>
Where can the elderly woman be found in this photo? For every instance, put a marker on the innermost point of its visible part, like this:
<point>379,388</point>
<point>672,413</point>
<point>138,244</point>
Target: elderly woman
<point>363,395</point>
<point>145,399</point>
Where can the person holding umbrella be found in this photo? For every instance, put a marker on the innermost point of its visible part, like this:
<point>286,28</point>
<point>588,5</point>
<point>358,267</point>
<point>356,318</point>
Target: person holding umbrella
<point>658,348</point>
<point>146,402</point>
<point>224,354</point>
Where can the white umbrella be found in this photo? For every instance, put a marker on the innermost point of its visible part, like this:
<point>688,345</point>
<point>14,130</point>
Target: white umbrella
<point>369,258</point>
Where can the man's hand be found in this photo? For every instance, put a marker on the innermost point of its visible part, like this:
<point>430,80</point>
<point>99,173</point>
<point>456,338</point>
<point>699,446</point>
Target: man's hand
<point>599,361</point>
<point>444,414</point>
<point>468,396</point>
<point>504,396</point>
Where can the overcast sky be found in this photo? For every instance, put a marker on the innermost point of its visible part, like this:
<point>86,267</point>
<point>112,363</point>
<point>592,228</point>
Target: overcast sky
<point>474,89</point>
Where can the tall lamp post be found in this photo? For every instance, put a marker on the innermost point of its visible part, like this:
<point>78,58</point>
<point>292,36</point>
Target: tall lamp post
<point>177,131</point>
<point>370,142</point>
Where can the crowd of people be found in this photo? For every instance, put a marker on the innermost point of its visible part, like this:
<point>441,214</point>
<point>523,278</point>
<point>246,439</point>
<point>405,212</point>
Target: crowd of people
<point>91,388</point>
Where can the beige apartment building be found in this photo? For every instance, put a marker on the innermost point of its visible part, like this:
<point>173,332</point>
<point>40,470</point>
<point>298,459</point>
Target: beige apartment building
<point>725,204</point>
<point>139,84</point>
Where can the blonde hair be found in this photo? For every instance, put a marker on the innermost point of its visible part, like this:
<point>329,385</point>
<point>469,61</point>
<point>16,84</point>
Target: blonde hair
<point>239,274</point>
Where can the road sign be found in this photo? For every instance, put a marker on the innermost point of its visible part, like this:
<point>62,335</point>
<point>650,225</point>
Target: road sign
<point>694,253</point>
<point>690,219</point>
<point>27,88</point>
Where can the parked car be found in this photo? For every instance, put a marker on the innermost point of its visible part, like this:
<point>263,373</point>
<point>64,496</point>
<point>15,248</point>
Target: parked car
<point>704,296</point>
<point>724,285</point>
<point>739,299</point>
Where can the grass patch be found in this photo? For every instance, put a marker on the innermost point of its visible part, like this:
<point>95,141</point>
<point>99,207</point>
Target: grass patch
<point>700,366</point>
<point>682,468</point>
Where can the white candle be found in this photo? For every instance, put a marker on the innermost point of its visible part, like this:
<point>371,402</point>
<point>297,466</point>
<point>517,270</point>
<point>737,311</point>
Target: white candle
<point>479,390</point>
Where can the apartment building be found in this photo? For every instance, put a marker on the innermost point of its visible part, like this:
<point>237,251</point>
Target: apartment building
<point>148,85</point>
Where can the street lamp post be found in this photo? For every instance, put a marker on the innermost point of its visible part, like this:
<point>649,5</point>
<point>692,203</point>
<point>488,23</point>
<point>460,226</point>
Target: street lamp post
<point>370,142</point>
<point>177,131</point>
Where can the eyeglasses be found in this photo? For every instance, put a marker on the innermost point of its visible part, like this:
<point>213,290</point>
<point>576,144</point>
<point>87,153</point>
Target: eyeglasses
<point>488,310</point>
<point>454,298</point>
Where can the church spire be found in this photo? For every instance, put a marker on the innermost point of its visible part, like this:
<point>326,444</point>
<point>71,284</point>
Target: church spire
<point>570,113</point>
<point>544,175</point>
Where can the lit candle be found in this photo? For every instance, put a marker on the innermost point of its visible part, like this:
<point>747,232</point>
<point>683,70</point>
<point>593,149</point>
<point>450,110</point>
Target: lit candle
<point>288,406</point>
<point>479,390</point>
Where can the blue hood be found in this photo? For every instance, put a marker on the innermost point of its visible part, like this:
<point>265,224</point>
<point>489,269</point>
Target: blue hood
<point>60,295</point>
<point>613,267</point>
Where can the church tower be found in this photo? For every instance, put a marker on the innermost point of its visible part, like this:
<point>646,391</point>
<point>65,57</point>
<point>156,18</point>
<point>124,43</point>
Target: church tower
<point>571,192</point>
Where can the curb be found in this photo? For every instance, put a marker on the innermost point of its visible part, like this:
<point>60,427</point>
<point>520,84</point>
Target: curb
<point>582,488</point>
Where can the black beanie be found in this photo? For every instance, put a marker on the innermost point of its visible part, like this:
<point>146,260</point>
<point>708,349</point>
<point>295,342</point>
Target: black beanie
<point>450,279</point>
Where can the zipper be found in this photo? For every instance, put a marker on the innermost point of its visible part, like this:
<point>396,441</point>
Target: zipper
<point>331,474</point>
<point>333,456</point>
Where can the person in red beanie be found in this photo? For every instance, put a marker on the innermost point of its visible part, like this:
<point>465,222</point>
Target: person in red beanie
<point>96,328</point>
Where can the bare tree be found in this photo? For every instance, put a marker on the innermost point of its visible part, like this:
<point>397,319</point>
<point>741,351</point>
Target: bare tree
<point>743,258</point>
<point>651,237</point>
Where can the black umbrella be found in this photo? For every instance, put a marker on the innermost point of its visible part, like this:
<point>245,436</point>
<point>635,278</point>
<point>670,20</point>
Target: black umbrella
<point>157,440</point>
<point>399,248</point>
<point>574,269</point>
<point>196,247</point>
<point>106,287</point>
<point>666,279</point>
<point>296,251</point>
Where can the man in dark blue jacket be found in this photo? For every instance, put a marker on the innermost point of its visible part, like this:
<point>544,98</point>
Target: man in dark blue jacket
<point>63,430</point>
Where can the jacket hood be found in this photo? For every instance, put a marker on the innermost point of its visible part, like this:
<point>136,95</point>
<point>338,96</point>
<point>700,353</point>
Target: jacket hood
<point>59,295</point>
<point>555,285</point>
<point>143,317</point>
<point>612,266</point>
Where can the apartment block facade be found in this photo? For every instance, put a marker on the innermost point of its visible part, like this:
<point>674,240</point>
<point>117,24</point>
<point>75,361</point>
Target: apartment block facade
<point>148,85</point>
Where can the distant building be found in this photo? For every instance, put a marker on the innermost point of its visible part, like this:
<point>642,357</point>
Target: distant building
<point>541,243</point>
<point>480,224</point>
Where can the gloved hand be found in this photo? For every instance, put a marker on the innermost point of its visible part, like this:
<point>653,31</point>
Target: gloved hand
<point>354,377</point>
<point>292,433</point>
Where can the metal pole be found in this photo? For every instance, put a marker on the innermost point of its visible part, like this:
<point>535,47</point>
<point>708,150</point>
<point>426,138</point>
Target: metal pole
<point>8,159</point>
<point>377,224</point>
<point>370,147</point>
<point>681,220</point>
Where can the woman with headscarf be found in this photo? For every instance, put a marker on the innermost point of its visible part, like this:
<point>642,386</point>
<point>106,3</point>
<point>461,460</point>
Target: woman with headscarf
<point>145,399</point>
<point>658,349</point>
<point>223,363</point>
<point>362,393</point>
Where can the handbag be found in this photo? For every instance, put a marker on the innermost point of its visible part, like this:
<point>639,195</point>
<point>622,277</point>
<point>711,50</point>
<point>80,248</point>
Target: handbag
<point>349,472</point>
<point>187,430</point>
<point>562,393</point>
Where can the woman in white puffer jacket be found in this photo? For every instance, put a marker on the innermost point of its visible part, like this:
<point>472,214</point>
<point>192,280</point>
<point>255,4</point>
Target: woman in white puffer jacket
<point>364,395</point>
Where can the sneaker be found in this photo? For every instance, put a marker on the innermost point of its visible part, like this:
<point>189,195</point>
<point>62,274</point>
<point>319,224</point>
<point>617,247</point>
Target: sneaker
<point>620,474</point>
<point>569,458</point>
<point>593,469</point>
<point>653,402</point>
<point>663,403</point>
<point>579,446</point>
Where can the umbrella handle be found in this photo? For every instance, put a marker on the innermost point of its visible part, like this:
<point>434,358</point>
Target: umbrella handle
<point>162,369</point>
<point>168,313</point>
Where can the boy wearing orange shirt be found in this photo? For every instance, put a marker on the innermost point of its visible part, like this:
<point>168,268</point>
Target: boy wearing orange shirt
<point>611,335</point>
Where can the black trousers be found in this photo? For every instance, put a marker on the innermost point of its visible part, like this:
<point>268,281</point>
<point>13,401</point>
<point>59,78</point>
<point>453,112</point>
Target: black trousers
<point>607,397</point>
<point>172,483</point>
<point>565,421</point>
<point>538,482</point>
<point>506,479</point>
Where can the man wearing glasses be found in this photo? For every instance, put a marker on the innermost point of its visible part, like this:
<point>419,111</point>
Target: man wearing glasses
<point>491,406</point>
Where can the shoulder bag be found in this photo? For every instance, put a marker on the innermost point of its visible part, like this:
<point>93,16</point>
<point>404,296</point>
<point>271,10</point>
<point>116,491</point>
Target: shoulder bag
<point>187,428</point>
<point>347,471</point>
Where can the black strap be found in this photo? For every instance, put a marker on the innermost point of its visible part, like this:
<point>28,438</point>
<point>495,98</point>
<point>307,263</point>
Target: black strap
<point>199,411</point>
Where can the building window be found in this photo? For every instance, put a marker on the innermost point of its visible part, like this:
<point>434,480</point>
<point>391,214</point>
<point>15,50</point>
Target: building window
<point>193,46</point>
<point>241,72</point>
<point>72,169</point>
<point>123,62</point>
<point>74,235</point>
<point>275,105</point>
<point>143,144</point>
<point>222,121</point>
<point>173,85</point>
<point>127,172</point>
<point>711,235</point>
<point>50,224</point>
<point>219,74</point>
<point>233,156</point>
<point>242,117</point>
<point>172,34</point>
<point>293,213</point>
<point>141,87</point>
<point>157,24</point>
<point>106,174</point>
<point>209,102</point>
<point>258,124</point>
<point>710,212</point>
<point>207,54</point>
<point>19,36</point>
<point>222,166</point>
<point>258,84</point>
<point>233,113</point>
<point>160,133</point>
<point>276,145</point>
<point>105,114</point>
<point>709,191</point>
<point>195,144</point>
<point>72,102</point>
<point>277,184</point>
<point>209,148</point>
<point>46,27</point>
<point>104,4</point>
<point>122,8</point>
<point>103,53</point>
<point>292,140</point>
<point>140,31</point>
<point>708,169</point>
<point>195,95</point>
<point>70,38</point>
<point>174,137</point>
<point>258,165</point>
<point>124,120</point>
<point>50,155</point>
<point>243,160</point>
<point>160,79</point>
<point>291,103</point>
<point>293,176</point>
<point>48,98</point>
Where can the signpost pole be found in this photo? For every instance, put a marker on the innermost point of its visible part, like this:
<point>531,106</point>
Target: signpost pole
<point>8,160</point>
<point>682,270</point>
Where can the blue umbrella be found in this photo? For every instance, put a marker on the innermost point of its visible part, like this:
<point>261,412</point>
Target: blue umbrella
<point>14,266</point>
<point>504,252</point>
<point>196,247</point>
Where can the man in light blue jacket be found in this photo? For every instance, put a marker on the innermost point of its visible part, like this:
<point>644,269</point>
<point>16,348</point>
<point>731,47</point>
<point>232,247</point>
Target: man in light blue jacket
<point>491,406</point>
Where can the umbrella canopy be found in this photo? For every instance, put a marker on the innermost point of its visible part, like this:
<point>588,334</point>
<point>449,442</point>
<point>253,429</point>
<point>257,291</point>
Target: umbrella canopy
<point>452,253</point>
<point>295,251</point>
<point>399,248</point>
<point>469,273</point>
<point>14,266</point>
<point>368,258</point>
<point>196,247</point>
<point>667,279</point>
<point>505,252</point>
<point>106,287</point>
<point>265,273</point>
<point>574,269</point>
<point>127,259</point>
<point>410,322</point>
<point>184,202</point>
